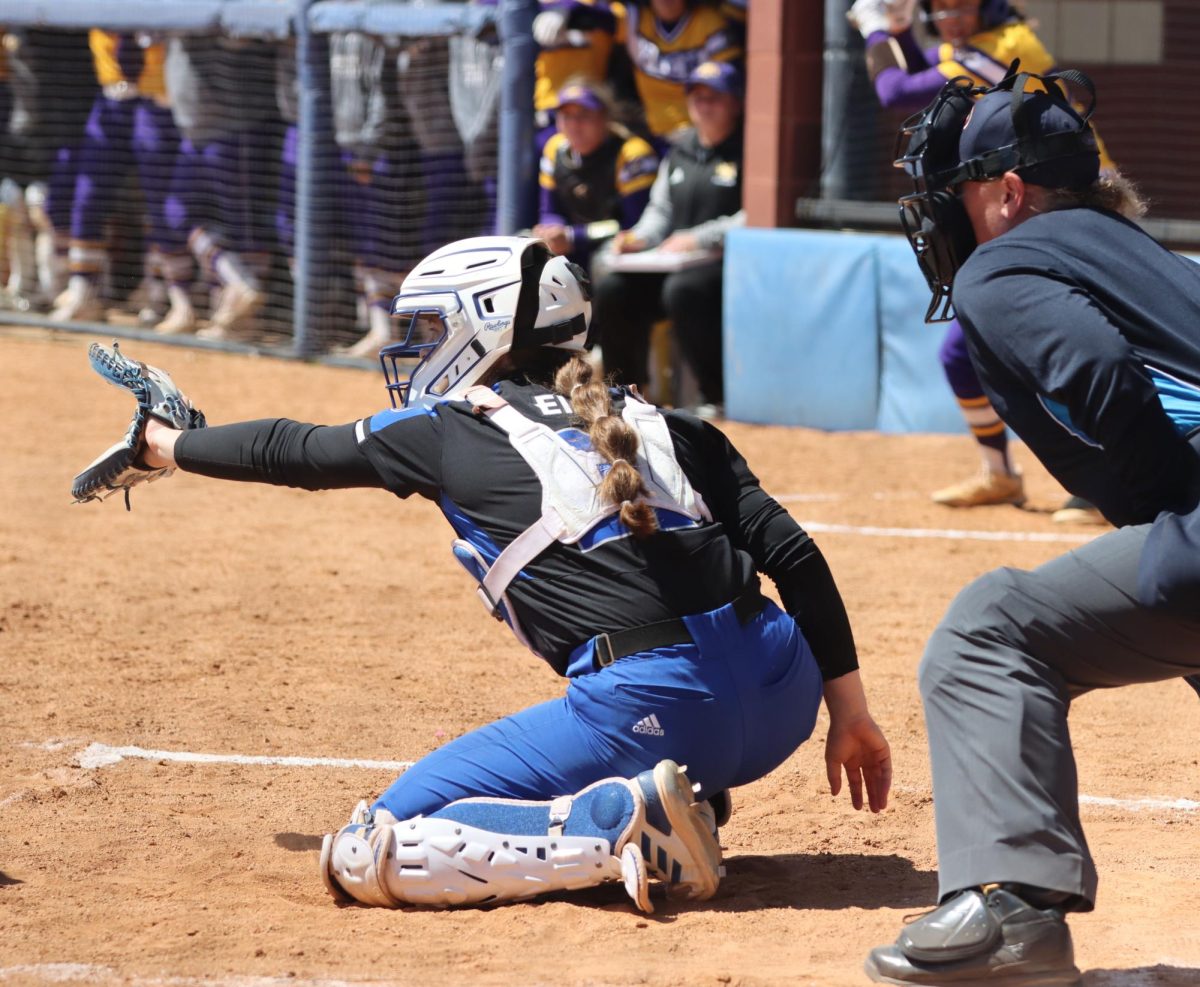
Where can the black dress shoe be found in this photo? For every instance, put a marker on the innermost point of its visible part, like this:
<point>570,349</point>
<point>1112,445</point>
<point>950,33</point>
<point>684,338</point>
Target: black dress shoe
<point>992,938</point>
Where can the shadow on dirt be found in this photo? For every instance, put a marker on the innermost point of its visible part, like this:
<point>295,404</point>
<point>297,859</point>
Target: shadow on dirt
<point>823,881</point>
<point>826,881</point>
<point>1144,976</point>
<point>297,842</point>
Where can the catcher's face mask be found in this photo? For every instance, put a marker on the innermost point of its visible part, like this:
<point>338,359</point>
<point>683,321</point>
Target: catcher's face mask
<point>951,142</point>
<point>468,304</point>
<point>425,323</point>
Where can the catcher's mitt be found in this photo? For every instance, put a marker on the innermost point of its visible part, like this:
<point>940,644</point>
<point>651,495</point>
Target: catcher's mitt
<point>121,468</point>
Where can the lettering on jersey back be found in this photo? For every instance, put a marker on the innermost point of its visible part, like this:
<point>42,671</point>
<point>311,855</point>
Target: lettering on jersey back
<point>552,404</point>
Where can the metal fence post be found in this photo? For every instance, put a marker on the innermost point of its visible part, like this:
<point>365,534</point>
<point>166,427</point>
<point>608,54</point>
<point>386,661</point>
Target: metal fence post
<point>517,177</point>
<point>315,154</point>
<point>849,108</point>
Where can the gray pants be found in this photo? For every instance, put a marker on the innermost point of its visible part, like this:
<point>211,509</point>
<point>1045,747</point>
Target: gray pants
<point>997,680</point>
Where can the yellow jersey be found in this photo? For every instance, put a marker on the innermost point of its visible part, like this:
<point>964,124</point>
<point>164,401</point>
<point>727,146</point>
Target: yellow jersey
<point>662,60</point>
<point>555,66</point>
<point>989,53</point>
<point>105,45</point>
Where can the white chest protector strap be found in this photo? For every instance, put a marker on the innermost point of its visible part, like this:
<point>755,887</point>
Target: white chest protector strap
<point>571,478</point>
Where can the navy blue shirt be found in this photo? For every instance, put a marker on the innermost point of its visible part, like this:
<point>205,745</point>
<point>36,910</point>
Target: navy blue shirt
<point>1085,333</point>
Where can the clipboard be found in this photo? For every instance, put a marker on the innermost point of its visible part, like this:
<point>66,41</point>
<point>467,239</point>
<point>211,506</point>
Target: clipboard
<point>659,261</point>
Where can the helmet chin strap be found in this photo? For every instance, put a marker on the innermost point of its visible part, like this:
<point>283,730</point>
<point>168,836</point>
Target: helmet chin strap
<point>557,332</point>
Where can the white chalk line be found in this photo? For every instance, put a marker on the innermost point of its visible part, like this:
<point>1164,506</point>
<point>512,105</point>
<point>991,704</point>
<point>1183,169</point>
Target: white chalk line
<point>93,973</point>
<point>1137,805</point>
<point>101,755</point>
<point>952,534</point>
<point>1131,805</point>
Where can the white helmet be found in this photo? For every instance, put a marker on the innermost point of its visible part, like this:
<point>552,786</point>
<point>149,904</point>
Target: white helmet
<point>467,304</point>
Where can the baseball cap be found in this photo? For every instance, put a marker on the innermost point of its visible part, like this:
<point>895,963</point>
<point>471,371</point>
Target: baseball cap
<point>1057,143</point>
<point>581,94</point>
<point>724,77</point>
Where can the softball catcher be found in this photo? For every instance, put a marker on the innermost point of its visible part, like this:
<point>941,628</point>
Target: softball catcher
<point>620,544</point>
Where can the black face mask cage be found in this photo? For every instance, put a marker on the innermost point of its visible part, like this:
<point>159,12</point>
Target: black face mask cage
<point>939,232</point>
<point>932,216</point>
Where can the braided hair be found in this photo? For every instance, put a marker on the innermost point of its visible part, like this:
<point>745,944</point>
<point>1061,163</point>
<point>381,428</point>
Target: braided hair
<point>614,439</point>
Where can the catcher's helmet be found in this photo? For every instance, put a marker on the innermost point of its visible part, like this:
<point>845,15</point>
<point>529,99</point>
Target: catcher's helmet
<point>992,13</point>
<point>466,305</point>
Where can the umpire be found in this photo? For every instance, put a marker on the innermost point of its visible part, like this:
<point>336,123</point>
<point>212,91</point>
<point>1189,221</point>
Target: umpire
<point>1085,333</point>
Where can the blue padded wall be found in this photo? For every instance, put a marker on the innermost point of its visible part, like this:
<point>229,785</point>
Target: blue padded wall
<point>913,393</point>
<point>827,330</point>
<point>801,346</point>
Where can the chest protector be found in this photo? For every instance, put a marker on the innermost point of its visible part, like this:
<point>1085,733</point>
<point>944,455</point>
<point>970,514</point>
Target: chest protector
<point>571,504</point>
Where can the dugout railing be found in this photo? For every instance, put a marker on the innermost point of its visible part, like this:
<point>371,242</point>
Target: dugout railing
<point>316,290</point>
<point>315,301</point>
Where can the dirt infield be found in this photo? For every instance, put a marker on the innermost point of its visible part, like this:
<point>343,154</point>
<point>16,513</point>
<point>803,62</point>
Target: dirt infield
<point>250,620</point>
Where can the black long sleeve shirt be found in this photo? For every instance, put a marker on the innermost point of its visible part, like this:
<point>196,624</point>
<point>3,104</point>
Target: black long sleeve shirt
<point>466,465</point>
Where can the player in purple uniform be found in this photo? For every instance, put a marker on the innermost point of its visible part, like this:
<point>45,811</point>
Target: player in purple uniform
<point>382,205</point>
<point>218,206</point>
<point>595,175</point>
<point>130,128</point>
<point>53,87</point>
<point>977,40</point>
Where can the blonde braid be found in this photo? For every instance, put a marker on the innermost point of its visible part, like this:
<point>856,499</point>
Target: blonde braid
<point>614,439</point>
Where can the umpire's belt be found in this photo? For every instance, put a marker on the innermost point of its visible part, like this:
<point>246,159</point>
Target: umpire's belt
<point>621,644</point>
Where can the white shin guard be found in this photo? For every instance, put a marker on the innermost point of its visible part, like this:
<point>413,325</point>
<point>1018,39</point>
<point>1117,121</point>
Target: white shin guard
<point>440,862</point>
<point>469,854</point>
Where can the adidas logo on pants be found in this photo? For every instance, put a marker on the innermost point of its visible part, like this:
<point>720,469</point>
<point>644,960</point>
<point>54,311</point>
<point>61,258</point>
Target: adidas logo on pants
<point>649,725</point>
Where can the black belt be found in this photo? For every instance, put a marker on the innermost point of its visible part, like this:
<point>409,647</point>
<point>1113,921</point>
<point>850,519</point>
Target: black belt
<point>621,644</point>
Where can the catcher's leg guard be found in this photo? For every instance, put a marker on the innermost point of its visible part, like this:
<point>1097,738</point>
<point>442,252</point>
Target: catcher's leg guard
<point>483,851</point>
<point>480,851</point>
